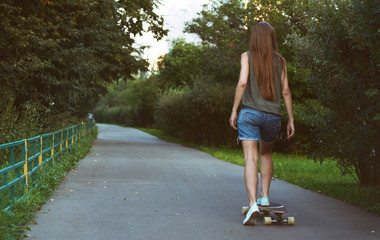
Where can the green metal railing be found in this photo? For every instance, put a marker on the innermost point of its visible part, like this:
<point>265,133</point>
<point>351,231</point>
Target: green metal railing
<point>25,160</point>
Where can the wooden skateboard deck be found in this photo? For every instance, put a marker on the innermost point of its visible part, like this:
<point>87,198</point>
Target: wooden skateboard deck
<point>277,209</point>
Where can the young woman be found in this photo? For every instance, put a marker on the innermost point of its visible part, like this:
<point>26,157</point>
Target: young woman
<point>263,76</point>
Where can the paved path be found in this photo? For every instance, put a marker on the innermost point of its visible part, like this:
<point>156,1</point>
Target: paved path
<point>135,186</point>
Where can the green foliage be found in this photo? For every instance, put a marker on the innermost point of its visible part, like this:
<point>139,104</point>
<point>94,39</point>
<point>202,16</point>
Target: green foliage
<point>198,113</point>
<point>56,57</point>
<point>342,51</point>
<point>179,67</point>
<point>224,38</point>
<point>307,116</point>
<point>130,103</point>
<point>13,221</point>
<point>11,130</point>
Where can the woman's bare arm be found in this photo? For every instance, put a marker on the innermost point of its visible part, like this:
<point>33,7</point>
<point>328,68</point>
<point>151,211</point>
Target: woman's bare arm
<point>288,101</point>
<point>240,88</point>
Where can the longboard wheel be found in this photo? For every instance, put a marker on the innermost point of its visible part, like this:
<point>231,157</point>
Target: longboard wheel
<point>244,210</point>
<point>290,221</point>
<point>267,220</point>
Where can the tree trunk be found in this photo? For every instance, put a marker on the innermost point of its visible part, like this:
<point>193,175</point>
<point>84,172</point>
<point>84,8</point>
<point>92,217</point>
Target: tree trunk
<point>368,173</point>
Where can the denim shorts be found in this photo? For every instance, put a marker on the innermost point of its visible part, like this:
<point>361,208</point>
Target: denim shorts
<point>258,126</point>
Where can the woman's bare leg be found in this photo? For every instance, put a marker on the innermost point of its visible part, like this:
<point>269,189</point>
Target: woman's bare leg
<point>251,158</point>
<point>266,168</point>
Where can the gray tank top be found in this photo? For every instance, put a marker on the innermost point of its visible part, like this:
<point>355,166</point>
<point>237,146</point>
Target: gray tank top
<point>252,96</point>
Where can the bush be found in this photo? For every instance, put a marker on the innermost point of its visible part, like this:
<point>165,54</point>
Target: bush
<point>198,114</point>
<point>129,103</point>
<point>30,121</point>
<point>307,116</point>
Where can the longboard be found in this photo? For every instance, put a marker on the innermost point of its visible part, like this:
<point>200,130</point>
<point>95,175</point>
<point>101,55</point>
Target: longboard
<point>277,209</point>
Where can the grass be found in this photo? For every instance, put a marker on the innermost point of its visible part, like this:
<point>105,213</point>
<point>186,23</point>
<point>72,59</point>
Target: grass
<point>325,177</point>
<point>13,222</point>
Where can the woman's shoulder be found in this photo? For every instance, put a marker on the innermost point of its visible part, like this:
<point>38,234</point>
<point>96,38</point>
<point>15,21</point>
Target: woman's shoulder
<point>244,56</point>
<point>279,57</point>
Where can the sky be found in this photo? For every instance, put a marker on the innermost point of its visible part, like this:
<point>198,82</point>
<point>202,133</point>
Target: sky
<point>175,13</point>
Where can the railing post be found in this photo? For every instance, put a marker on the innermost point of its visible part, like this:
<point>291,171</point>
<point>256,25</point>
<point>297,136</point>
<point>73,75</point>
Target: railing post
<point>67,138</point>
<point>60,144</point>
<point>52,150</point>
<point>12,156</point>
<point>76,132</point>
<point>26,167</point>
<point>40,157</point>
<point>41,152</point>
<point>72,135</point>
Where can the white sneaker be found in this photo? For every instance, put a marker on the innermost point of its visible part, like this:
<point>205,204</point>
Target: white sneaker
<point>250,218</point>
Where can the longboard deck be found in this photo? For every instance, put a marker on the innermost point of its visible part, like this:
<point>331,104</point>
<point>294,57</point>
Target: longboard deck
<point>273,207</point>
<point>276,208</point>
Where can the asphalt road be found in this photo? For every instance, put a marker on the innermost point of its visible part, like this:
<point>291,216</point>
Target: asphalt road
<point>135,186</point>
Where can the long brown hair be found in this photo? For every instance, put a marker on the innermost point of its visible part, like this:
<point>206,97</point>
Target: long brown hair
<point>263,46</point>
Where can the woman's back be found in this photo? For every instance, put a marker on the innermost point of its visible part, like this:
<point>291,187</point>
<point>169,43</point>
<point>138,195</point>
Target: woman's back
<point>253,97</point>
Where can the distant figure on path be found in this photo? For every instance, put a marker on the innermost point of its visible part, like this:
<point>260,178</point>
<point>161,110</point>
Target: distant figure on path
<point>263,76</point>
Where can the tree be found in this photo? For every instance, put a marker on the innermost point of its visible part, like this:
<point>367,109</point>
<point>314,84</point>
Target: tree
<point>56,57</point>
<point>224,38</point>
<point>179,67</point>
<point>342,49</point>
